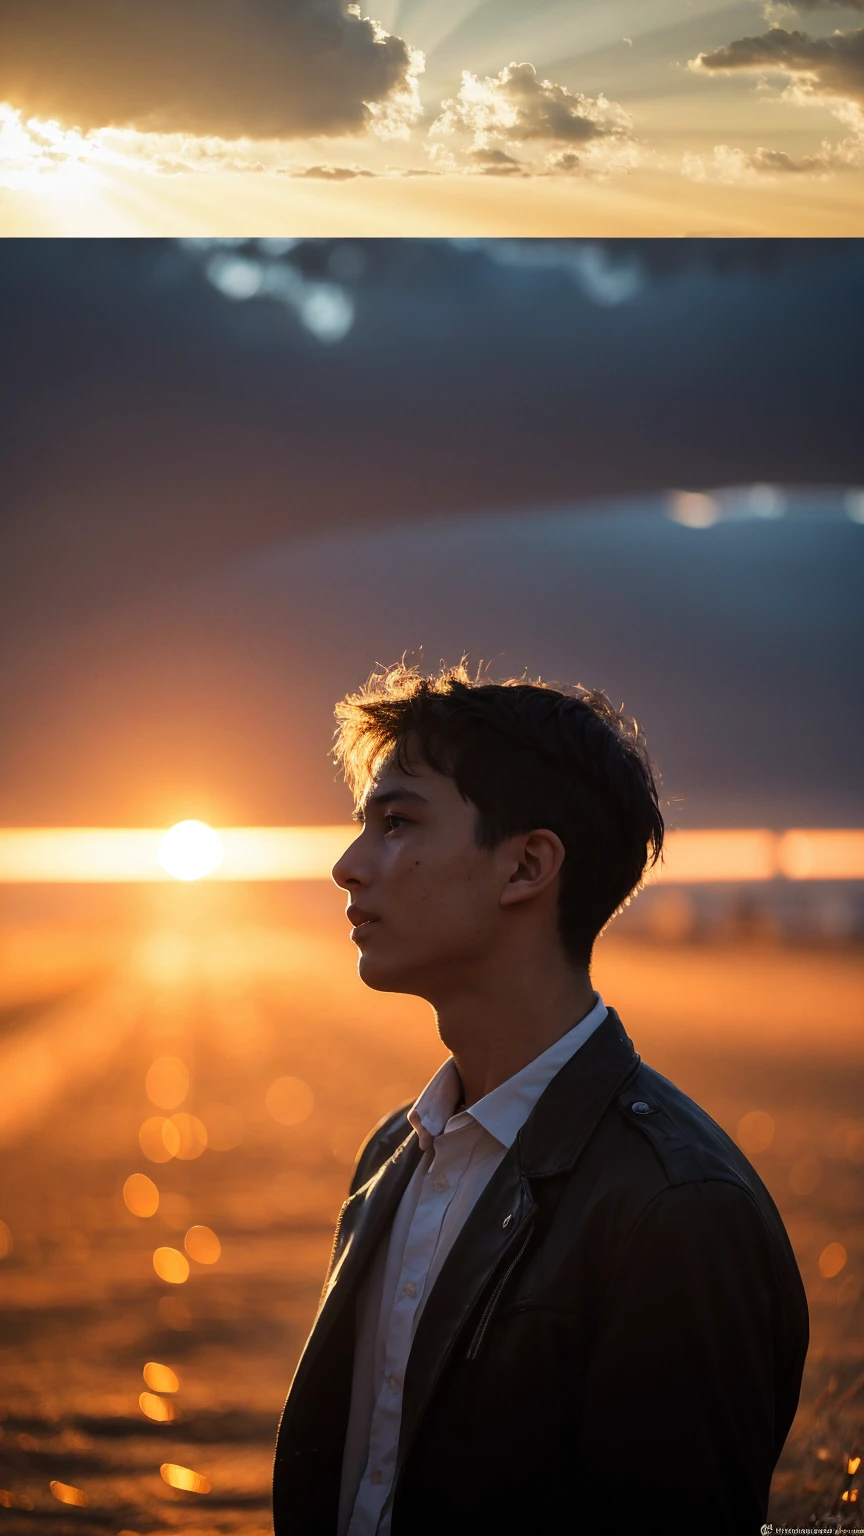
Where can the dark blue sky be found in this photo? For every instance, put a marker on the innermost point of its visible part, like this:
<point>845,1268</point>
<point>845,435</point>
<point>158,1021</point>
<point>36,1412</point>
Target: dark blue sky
<point>166,641</point>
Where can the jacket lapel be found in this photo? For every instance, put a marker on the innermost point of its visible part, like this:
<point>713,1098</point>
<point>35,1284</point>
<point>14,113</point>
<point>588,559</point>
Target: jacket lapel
<point>494,1229</point>
<point>363,1220</point>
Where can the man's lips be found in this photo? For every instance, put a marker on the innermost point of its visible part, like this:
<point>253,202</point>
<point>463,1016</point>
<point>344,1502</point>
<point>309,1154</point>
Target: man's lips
<point>361,920</point>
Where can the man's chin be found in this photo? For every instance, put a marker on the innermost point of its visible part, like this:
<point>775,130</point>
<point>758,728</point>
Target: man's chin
<point>381,977</point>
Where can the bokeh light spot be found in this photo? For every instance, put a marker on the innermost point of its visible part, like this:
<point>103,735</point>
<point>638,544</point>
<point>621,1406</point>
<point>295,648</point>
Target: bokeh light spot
<point>186,1134</point>
<point>160,1378</point>
<point>141,1195</point>
<point>831,1260</point>
<point>848,1290</point>
<point>755,1131</point>
<point>171,1265</point>
<point>289,1100</point>
<point>154,1144</point>
<point>67,1494</point>
<point>693,509</point>
<point>184,1477</point>
<point>167,1082</point>
<point>10,1500</point>
<point>805,1175</point>
<point>203,1245</point>
<point>156,1408</point>
<point>5,1241</point>
<point>190,850</point>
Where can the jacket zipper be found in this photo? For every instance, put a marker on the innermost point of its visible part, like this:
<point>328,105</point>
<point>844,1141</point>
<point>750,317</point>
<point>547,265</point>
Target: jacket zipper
<point>474,1347</point>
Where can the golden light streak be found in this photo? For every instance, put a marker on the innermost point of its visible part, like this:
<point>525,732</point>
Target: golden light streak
<point>100,854</point>
<point>103,854</point>
<point>821,856</point>
<point>805,854</point>
<point>719,855</point>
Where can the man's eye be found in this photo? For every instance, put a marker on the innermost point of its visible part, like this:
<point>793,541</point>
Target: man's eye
<point>393,817</point>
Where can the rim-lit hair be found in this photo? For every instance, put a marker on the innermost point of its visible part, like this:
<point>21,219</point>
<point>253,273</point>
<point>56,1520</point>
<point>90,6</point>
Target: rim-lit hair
<point>527,754</point>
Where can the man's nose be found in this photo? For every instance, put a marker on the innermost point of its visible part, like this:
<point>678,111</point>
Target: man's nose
<point>346,871</point>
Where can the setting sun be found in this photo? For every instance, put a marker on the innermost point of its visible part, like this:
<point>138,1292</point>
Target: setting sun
<point>190,850</point>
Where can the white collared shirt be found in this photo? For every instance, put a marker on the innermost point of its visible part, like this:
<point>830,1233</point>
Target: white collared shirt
<point>459,1156</point>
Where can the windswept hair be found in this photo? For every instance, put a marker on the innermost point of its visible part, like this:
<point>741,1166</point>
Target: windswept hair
<point>527,755</point>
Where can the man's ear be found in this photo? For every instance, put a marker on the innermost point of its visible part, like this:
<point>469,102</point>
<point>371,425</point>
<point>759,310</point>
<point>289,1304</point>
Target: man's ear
<point>540,855</point>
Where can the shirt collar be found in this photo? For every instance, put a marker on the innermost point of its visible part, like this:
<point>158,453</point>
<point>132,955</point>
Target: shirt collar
<point>504,1111</point>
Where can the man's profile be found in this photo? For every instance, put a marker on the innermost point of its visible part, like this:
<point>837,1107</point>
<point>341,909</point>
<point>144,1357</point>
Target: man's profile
<point>559,1298</point>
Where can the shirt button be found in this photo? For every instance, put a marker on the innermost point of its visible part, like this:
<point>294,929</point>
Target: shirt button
<point>393,1383</point>
<point>641,1108</point>
<point>410,1289</point>
<point>376,1476</point>
<point>441,1183</point>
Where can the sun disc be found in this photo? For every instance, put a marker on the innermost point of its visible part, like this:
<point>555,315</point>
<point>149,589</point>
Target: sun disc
<point>190,850</point>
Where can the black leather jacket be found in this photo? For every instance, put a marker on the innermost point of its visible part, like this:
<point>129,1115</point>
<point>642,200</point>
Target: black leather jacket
<point>616,1338</point>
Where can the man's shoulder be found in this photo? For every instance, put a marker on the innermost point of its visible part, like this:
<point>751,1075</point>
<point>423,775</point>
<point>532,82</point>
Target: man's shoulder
<point>677,1143</point>
<point>381,1142</point>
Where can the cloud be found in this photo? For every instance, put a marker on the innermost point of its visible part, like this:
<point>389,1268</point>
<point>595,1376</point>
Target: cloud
<point>490,118</point>
<point>252,69</point>
<point>825,5</point>
<point>333,172</point>
<point>33,154</point>
<point>734,166</point>
<point>830,67</point>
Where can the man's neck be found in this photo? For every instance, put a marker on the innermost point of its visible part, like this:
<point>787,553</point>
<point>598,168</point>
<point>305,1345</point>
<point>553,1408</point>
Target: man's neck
<point>493,1033</point>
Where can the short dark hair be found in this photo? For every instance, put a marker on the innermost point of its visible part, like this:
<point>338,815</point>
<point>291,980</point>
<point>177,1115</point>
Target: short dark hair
<point>527,755</point>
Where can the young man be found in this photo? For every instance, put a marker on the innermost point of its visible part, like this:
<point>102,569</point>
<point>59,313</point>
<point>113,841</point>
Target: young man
<point>559,1299</point>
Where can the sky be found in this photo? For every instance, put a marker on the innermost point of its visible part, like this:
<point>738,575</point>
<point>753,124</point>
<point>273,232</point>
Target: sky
<point>316,118</point>
<point>638,467</point>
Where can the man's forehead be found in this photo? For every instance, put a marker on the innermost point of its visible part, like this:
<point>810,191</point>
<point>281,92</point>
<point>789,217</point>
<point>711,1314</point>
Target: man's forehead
<point>390,779</point>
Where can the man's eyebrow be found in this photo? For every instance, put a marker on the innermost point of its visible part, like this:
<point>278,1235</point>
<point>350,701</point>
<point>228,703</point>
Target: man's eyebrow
<point>385,797</point>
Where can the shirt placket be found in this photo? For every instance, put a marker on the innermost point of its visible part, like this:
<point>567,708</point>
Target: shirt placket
<point>438,1189</point>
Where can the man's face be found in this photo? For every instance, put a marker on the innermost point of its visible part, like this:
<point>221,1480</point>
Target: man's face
<point>433,896</point>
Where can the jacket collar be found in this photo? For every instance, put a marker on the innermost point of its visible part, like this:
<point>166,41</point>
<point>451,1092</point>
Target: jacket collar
<point>503,1111</point>
<point>566,1114</point>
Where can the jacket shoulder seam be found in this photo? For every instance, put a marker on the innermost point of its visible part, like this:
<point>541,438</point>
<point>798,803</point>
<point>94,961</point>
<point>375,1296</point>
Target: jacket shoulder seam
<point>730,1179</point>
